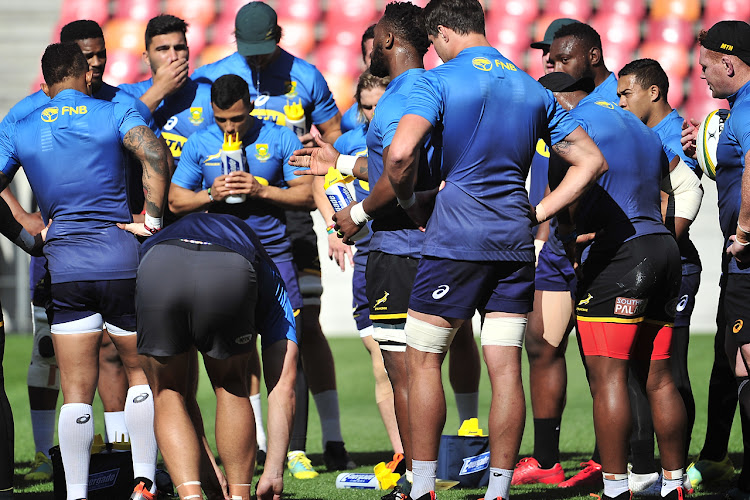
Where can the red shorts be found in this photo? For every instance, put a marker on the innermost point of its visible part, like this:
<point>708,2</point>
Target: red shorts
<point>643,341</point>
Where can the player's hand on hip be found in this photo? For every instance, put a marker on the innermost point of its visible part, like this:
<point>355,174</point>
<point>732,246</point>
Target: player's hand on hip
<point>339,252</point>
<point>345,226</point>
<point>689,136</point>
<point>269,488</point>
<point>137,228</point>
<point>740,252</point>
<point>422,209</point>
<point>243,183</point>
<point>45,230</point>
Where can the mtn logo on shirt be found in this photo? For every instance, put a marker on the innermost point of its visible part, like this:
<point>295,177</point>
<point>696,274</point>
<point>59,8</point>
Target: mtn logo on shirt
<point>482,63</point>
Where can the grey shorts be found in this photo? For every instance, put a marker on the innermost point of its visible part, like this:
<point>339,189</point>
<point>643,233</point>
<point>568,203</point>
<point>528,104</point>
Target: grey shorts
<point>195,295</point>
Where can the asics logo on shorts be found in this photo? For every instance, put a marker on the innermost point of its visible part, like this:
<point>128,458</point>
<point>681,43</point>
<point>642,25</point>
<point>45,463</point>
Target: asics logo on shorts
<point>738,326</point>
<point>244,339</point>
<point>440,292</point>
<point>140,398</point>
<point>83,419</point>
<point>682,304</point>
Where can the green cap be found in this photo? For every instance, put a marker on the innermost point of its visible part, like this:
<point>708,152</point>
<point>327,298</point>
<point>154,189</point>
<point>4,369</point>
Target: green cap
<point>254,29</point>
<point>549,35</point>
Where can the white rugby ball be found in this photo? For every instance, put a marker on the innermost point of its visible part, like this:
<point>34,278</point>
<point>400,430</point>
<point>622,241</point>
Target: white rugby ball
<point>708,139</point>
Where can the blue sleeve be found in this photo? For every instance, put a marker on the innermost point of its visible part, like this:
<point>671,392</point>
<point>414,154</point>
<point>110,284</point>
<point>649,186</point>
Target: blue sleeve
<point>274,316</point>
<point>132,89</point>
<point>742,118</point>
<point>9,162</point>
<point>146,115</point>
<point>324,106</point>
<point>289,143</point>
<point>342,144</point>
<point>390,116</point>
<point>127,118</point>
<point>559,122</point>
<point>189,174</point>
<point>426,98</point>
<point>350,119</point>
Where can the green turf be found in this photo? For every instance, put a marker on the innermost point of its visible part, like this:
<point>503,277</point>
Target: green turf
<point>364,433</point>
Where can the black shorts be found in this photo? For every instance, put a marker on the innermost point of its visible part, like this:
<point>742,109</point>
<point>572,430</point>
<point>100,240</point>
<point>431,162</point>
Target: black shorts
<point>736,311</point>
<point>112,299</point>
<point>299,229</point>
<point>637,281</point>
<point>388,281</point>
<point>195,295</point>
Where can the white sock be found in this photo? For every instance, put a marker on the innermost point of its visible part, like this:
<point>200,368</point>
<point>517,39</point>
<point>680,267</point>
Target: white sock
<point>499,483</point>
<point>425,473</point>
<point>114,424</point>
<point>617,485</point>
<point>43,428</point>
<point>467,404</point>
<point>667,485</point>
<point>327,403</point>
<point>409,475</point>
<point>75,430</point>
<point>260,433</point>
<point>139,418</point>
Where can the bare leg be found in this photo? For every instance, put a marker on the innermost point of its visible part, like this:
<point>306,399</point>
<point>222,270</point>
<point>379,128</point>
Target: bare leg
<point>383,393</point>
<point>395,363</point>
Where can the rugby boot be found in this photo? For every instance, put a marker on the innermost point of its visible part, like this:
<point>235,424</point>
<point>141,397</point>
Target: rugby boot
<point>709,471</point>
<point>336,457</point>
<point>528,471</point>
<point>299,465</point>
<point>590,475</point>
<point>41,468</point>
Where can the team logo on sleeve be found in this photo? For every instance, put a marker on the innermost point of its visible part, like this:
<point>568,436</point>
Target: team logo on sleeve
<point>482,63</point>
<point>291,89</point>
<point>196,116</point>
<point>50,114</point>
<point>261,152</point>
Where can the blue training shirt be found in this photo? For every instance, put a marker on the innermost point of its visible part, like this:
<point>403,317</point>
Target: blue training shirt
<point>394,232</point>
<point>351,119</point>
<point>491,115</point>
<point>354,143</point>
<point>608,90</point>
<point>274,316</point>
<point>267,148</point>
<point>71,151</point>
<point>734,143</point>
<point>285,81</point>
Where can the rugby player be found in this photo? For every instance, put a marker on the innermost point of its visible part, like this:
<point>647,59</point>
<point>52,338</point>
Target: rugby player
<point>280,84</point>
<point>241,295</point>
<point>725,61</point>
<point>642,86</point>
<point>92,262</point>
<point>464,268</point>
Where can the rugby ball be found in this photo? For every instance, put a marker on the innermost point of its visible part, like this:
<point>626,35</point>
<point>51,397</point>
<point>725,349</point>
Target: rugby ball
<point>708,138</point>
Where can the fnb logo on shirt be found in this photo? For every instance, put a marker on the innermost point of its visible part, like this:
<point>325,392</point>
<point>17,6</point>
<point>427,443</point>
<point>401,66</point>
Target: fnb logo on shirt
<point>482,63</point>
<point>630,307</point>
<point>50,114</point>
<point>475,464</point>
<point>78,110</point>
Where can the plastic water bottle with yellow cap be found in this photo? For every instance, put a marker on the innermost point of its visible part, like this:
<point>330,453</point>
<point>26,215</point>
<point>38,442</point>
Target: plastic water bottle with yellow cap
<point>233,160</point>
<point>295,118</point>
<point>337,191</point>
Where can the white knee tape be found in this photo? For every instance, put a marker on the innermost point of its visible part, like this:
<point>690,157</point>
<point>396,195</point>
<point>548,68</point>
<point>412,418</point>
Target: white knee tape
<point>390,339</point>
<point>425,337</point>
<point>504,331</point>
<point>43,371</point>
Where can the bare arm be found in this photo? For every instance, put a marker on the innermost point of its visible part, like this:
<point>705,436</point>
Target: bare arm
<point>152,154</point>
<point>337,250</point>
<point>184,201</point>
<point>298,196</point>
<point>31,222</point>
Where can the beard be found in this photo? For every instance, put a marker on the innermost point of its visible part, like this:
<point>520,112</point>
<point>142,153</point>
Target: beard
<point>378,63</point>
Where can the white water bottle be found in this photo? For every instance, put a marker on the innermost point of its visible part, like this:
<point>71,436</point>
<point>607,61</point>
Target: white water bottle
<point>233,160</point>
<point>357,480</point>
<point>295,118</point>
<point>340,197</point>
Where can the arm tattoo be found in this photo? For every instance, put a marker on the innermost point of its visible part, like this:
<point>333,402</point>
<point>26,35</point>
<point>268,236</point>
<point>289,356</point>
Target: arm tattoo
<point>142,142</point>
<point>562,148</point>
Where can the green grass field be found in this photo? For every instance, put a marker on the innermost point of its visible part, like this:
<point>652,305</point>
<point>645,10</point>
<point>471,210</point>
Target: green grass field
<point>364,433</point>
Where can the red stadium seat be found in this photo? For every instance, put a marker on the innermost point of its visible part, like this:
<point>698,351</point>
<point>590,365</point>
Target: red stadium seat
<point>140,10</point>
<point>123,66</point>
<point>338,59</point>
<point>616,29</point>
<point>523,10</point>
<point>507,32</point>
<point>96,10</point>
<point>576,9</point>
<point>342,87</point>
<point>125,34</point>
<point>298,37</point>
<point>193,11</point>
<point>361,12</point>
<point>698,107</point>
<point>229,8</point>
<point>347,33</point>
<point>616,56</point>
<point>625,8</point>
<point>672,30</point>
<point>223,31</point>
<point>534,66</point>
<point>431,59</point>
<point>688,10</point>
<point>196,39</point>
<point>213,53</point>
<point>727,9</point>
<point>301,10</point>
<point>540,26</point>
<point>675,59</point>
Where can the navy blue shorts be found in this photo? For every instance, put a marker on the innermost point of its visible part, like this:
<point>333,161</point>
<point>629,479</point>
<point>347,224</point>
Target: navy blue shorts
<point>554,273</point>
<point>686,301</point>
<point>457,288</point>
<point>288,271</point>
<point>113,299</point>
<point>360,309</point>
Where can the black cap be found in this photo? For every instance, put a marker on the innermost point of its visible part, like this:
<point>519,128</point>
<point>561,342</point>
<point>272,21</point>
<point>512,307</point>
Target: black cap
<point>549,35</point>
<point>729,37</point>
<point>563,82</point>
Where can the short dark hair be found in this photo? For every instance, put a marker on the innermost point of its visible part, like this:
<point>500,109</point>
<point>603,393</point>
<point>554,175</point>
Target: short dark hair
<point>462,16</point>
<point>407,22</point>
<point>647,72</point>
<point>582,32</point>
<point>369,34</point>
<point>228,89</point>
<point>80,30</point>
<point>61,61</point>
<point>162,25</point>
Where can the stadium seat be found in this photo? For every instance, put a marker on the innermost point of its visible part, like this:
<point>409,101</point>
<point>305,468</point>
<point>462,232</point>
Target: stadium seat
<point>676,94</point>
<point>616,56</point>
<point>196,39</point>
<point>230,8</point>
<point>297,37</point>
<point>123,66</point>
<point>616,29</point>
<point>301,10</point>
<point>431,59</point>
<point>505,32</point>
<point>96,10</point>
<point>139,10</point>
<point>699,106</point>
<point>338,59</point>
<point>222,30</point>
<point>361,12</point>
<point>342,87</point>
<point>522,10</point>
<point>347,33</point>
<point>540,26</point>
<point>576,9</point>
<point>625,8</point>
<point>213,53</point>
<point>126,34</point>
<point>193,11</point>
<point>675,59</point>
<point>687,10</point>
<point>672,30</point>
<point>727,9</point>
<point>534,66</point>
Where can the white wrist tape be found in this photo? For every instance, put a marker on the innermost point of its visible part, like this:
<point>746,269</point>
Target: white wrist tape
<point>345,164</point>
<point>684,185</point>
<point>153,224</point>
<point>407,203</point>
<point>541,213</point>
<point>358,214</point>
